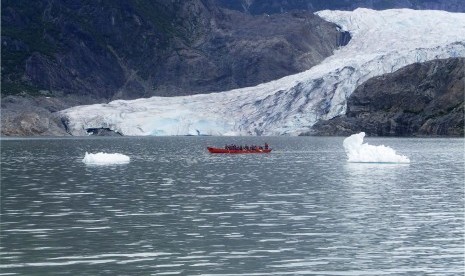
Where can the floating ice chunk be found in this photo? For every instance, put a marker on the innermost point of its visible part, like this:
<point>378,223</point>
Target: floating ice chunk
<point>357,151</point>
<point>105,158</point>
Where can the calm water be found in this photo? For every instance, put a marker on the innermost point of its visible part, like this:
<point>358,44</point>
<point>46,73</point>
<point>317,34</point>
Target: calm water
<point>175,209</point>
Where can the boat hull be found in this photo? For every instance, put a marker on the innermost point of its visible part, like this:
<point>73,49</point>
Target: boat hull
<point>221,150</point>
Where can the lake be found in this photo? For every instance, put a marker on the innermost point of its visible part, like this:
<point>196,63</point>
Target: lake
<point>176,209</point>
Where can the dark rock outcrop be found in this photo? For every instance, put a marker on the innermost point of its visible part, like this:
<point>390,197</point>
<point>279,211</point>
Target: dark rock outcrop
<point>423,99</point>
<point>35,116</point>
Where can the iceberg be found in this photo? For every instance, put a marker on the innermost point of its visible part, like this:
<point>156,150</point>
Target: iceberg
<point>101,158</point>
<point>382,42</point>
<point>358,152</point>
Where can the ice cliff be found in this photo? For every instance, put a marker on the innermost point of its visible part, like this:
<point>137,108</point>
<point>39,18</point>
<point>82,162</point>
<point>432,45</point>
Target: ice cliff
<point>382,42</point>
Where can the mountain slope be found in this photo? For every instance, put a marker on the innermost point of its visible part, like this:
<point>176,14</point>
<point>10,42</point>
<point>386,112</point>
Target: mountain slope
<point>419,99</point>
<point>382,42</point>
<point>140,48</point>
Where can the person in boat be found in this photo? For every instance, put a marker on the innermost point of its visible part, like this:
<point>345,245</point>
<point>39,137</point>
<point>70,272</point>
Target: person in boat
<point>266,146</point>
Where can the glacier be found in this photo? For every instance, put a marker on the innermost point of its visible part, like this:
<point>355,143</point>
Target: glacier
<point>382,42</point>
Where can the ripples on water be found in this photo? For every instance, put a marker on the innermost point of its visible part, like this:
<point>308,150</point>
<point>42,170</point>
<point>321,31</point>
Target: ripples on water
<point>175,209</point>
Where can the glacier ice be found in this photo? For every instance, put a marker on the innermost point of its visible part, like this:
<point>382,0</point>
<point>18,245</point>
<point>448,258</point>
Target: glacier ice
<point>382,42</point>
<point>102,158</point>
<point>358,152</point>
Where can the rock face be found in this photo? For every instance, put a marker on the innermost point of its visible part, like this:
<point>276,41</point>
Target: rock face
<point>35,116</point>
<point>132,49</point>
<point>417,100</point>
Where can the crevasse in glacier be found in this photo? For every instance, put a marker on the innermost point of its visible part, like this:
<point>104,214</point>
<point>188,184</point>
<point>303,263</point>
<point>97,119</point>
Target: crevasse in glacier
<point>382,42</point>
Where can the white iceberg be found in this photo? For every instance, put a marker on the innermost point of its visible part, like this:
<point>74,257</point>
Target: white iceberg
<point>101,158</point>
<point>358,152</point>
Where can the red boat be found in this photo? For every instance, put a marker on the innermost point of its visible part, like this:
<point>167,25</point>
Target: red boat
<point>223,150</point>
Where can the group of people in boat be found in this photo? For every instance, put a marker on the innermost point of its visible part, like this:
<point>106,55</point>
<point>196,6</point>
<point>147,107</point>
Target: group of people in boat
<point>246,147</point>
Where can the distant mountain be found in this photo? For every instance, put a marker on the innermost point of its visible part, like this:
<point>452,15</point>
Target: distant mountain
<point>281,6</point>
<point>58,54</point>
<point>140,48</point>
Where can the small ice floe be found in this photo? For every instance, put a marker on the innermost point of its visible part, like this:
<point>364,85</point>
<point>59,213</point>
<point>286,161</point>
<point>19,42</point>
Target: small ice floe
<point>105,158</point>
<point>358,152</point>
